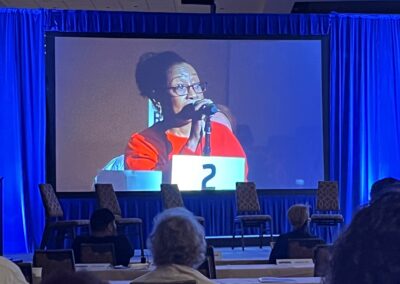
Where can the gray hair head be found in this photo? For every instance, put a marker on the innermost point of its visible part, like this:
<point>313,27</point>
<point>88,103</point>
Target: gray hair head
<point>298,215</point>
<point>177,238</point>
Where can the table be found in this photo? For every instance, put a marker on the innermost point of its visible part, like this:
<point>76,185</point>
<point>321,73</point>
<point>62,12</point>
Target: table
<point>261,270</point>
<point>240,261</point>
<point>106,272</point>
<point>294,280</point>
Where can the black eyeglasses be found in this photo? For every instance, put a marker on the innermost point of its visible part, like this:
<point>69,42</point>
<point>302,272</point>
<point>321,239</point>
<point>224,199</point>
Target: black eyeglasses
<point>183,90</point>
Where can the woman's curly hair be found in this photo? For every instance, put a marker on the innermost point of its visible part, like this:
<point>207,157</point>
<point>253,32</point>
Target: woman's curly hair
<point>369,250</point>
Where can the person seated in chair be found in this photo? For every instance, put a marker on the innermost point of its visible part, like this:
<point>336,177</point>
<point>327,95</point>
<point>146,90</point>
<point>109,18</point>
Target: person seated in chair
<point>178,246</point>
<point>299,218</point>
<point>104,230</point>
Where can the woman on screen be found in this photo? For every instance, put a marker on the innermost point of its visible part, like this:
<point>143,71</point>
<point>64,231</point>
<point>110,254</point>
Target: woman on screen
<point>176,91</point>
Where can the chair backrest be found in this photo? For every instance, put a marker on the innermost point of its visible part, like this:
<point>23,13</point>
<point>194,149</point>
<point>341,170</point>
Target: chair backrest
<point>98,253</point>
<point>303,248</point>
<point>327,196</point>
<point>171,196</point>
<point>246,197</point>
<point>207,268</point>
<point>50,201</point>
<point>54,260</point>
<point>322,259</point>
<point>107,198</point>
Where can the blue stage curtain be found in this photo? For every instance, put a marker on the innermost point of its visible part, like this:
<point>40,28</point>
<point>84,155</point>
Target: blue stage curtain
<point>363,103</point>
<point>23,91</point>
<point>217,207</point>
<point>365,113</point>
<point>22,126</point>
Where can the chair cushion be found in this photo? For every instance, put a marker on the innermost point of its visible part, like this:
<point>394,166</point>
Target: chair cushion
<point>128,221</point>
<point>70,223</point>
<point>253,218</point>
<point>325,217</point>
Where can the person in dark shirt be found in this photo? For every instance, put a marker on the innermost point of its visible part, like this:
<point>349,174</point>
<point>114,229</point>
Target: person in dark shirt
<point>298,216</point>
<point>384,186</point>
<point>368,251</point>
<point>104,230</point>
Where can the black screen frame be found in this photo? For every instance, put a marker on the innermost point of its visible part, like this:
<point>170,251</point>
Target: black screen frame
<point>51,84</point>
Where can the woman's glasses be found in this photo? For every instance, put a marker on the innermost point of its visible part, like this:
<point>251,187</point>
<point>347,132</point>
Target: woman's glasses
<point>183,90</point>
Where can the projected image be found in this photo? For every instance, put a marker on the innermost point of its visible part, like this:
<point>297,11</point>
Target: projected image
<point>256,102</point>
<point>187,117</point>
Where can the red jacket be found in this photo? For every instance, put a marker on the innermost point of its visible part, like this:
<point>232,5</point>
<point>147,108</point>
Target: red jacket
<point>152,149</point>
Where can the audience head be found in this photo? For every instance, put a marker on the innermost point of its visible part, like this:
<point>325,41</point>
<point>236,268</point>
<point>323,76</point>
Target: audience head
<point>383,186</point>
<point>368,251</point>
<point>102,222</point>
<point>65,277</point>
<point>177,238</point>
<point>298,215</point>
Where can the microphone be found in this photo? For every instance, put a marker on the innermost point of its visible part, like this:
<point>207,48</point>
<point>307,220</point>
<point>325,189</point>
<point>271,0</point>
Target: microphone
<point>189,111</point>
<point>208,109</point>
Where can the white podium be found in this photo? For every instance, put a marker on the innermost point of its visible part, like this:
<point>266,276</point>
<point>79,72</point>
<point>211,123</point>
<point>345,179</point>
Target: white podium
<point>205,172</point>
<point>131,180</point>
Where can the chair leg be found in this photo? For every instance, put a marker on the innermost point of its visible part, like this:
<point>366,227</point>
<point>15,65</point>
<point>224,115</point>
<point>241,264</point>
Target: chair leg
<point>45,237</point>
<point>233,234</point>
<point>60,238</point>
<point>73,231</point>
<point>271,232</point>
<point>242,229</point>
<point>261,234</point>
<point>142,257</point>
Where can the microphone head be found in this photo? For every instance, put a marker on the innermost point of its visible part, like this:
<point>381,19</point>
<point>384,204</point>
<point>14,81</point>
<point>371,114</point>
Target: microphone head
<point>209,109</point>
<point>189,111</point>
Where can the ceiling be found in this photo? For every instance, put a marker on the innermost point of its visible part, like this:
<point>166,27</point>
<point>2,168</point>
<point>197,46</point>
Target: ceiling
<point>169,6</point>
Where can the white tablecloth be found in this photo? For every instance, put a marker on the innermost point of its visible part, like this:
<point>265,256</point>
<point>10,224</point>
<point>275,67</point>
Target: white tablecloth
<point>105,272</point>
<point>261,270</point>
<point>293,280</point>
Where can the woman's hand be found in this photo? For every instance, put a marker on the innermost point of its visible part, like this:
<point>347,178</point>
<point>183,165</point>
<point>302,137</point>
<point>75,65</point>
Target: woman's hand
<point>198,122</point>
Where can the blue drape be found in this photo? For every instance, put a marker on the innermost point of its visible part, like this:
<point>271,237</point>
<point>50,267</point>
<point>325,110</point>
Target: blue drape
<point>22,126</point>
<point>217,208</point>
<point>364,103</point>
<point>363,94</point>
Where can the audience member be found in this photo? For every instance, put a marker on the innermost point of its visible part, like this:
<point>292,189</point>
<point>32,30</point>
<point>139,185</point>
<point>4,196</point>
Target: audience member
<point>299,217</point>
<point>65,277</point>
<point>382,186</point>
<point>368,251</point>
<point>104,230</point>
<point>178,246</point>
<point>10,272</point>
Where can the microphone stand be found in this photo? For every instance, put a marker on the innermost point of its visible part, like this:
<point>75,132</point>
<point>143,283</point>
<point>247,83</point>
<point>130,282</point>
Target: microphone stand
<point>207,130</point>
